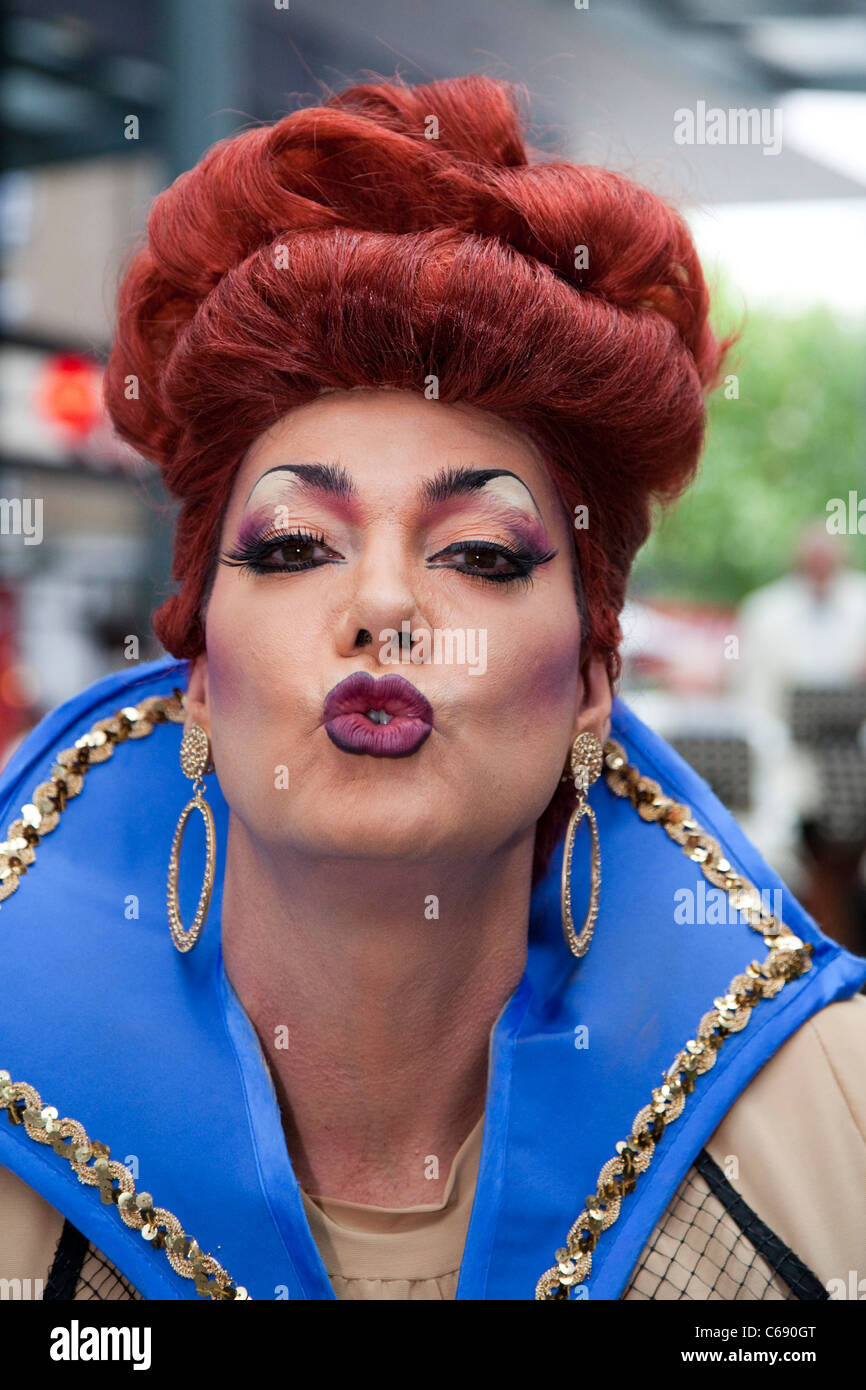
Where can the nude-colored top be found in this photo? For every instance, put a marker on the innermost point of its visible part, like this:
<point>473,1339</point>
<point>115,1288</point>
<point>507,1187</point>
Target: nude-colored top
<point>414,1251</point>
<point>798,1134</point>
<point>793,1145</point>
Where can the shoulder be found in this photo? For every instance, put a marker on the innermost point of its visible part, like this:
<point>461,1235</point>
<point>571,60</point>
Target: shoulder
<point>111,693</point>
<point>766,601</point>
<point>793,1145</point>
<point>29,1231</point>
<point>48,769</point>
<point>822,1062</point>
<point>853,584</point>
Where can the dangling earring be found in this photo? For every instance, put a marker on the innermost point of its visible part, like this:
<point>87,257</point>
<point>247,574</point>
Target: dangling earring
<point>586,765</point>
<point>195,761</point>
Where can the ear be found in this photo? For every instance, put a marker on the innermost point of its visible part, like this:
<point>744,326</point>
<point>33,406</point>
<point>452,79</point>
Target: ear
<point>594,714</point>
<point>197,705</point>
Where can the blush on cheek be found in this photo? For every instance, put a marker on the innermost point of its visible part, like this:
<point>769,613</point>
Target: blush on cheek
<point>538,654</point>
<point>240,665</point>
<point>554,684</point>
<point>543,674</point>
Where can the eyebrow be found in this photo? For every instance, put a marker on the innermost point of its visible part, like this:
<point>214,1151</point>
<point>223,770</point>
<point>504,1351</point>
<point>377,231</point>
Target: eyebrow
<point>336,481</point>
<point>331,478</point>
<point>454,482</point>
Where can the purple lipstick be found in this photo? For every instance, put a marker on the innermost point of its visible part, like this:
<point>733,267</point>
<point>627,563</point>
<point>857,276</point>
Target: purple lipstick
<point>387,718</point>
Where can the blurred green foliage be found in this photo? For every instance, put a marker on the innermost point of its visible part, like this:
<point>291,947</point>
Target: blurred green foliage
<point>794,438</point>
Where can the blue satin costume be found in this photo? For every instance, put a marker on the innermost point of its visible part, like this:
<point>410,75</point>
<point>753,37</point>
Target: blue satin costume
<point>153,1053</point>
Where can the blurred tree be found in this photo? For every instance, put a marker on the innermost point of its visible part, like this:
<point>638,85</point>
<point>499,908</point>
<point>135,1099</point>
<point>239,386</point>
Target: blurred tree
<point>794,437</point>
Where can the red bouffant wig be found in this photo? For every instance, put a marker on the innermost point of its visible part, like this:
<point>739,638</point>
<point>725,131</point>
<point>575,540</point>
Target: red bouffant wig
<point>397,233</point>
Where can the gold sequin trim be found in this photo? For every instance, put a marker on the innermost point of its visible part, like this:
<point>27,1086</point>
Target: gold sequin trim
<point>90,1160</point>
<point>93,1164</point>
<point>788,959</point>
<point>41,815</point>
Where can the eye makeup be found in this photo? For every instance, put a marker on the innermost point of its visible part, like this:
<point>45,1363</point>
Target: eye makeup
<point>270,523</point>
<point>484,556</point>
<point>258,551</point>
<point>504,539</point>
<point>515,525</point>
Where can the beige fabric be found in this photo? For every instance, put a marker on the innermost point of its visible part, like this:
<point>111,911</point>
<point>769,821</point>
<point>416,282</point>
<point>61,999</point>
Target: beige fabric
<point>794,1147</point>
<point>29,1231</point>
<point>797,1133</point>
<point>414,1251</point>
<point>698,1252</point>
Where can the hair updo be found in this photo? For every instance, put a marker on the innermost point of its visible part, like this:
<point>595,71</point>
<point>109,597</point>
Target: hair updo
<point>396,233</point>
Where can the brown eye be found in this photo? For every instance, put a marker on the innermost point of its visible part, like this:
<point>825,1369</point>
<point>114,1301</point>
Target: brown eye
<point>300,550</point>
<point>484,557</point>
<point>282,554</point>
<point>484,560</point>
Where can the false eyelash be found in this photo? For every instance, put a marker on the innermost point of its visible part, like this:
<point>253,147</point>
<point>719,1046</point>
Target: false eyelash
<point>252,555</point>
<point>528,560</point>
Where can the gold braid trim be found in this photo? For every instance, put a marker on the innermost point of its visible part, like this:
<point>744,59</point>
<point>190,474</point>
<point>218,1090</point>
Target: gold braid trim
<point>788,959</point>
<point>90,1160</point>
<point>40,816</point>
<point>157,1225</point>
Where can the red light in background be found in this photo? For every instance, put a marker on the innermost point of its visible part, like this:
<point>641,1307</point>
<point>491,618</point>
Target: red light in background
<point>70,393</point>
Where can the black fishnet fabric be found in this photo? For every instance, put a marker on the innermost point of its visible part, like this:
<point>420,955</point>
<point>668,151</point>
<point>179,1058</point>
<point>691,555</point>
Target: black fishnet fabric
<point>81,1273</point>
<point>100,1279</point>
<point>709,1245</point>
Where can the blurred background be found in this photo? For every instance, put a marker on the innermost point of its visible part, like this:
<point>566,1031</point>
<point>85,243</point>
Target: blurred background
<point>745,630</point>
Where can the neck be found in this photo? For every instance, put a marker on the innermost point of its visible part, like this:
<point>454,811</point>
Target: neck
<point>373,988</point>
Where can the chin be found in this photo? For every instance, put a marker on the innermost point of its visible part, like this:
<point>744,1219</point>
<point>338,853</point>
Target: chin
<point>371,823</point>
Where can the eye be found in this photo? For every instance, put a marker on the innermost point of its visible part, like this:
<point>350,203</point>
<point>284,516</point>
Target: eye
<point>491,561</point>
<point>282,553</point>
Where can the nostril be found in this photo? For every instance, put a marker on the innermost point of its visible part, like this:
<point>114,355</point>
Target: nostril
<point>364,638</point>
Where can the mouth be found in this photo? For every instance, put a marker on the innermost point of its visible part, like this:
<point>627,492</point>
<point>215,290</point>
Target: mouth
<point>386,718</point>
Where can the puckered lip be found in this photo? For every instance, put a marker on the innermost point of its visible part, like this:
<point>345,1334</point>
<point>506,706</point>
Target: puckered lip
<point>392,694</point>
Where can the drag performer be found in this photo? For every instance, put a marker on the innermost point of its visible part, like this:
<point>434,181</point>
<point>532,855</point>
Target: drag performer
<point>341,952</point>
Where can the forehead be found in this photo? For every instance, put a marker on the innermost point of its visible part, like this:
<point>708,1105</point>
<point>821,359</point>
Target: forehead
<point>390,441</point>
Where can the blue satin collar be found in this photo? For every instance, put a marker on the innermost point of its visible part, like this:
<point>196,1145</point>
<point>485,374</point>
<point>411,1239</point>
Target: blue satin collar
<point>154,1054</point>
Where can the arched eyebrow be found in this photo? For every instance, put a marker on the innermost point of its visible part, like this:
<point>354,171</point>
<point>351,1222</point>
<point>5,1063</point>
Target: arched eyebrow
<point>336,481</point>
<point>454,482</point>
<point>331,478</point>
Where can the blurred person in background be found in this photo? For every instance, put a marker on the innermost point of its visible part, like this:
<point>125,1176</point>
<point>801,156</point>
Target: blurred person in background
<point>807,629</point>
<point>803,639</point>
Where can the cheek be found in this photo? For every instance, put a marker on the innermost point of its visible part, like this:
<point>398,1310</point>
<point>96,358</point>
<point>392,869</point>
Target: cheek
<point>527,719</point>
<point>535,665</point>
<point>253,650</point>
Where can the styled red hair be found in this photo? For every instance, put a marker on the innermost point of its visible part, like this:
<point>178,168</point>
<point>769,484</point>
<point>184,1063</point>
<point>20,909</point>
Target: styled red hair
<point>397,233</point>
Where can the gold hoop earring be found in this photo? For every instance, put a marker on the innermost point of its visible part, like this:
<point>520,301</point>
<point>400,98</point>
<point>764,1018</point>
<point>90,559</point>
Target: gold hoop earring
<point>586,764</point>
<point>195,760</point>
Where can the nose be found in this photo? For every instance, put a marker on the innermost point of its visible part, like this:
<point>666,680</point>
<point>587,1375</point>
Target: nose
<point>405,639</point>
<point>383,603</point>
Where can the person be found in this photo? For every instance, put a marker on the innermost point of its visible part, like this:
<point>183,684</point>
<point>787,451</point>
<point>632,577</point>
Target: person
<point>806,630</point>
<point>803,638</point>
<point>426,1015</point>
